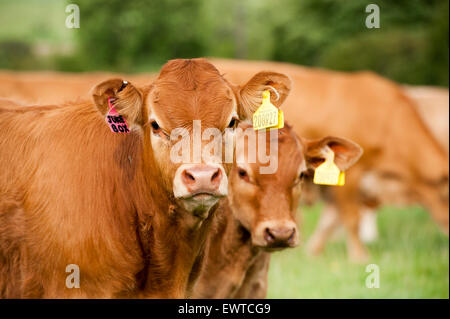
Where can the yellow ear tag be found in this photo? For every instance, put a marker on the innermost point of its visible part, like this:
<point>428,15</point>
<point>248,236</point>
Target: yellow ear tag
<point>267,115</point>
<point>328,173</point>
<point>341,178</point>
<point>280,120</point>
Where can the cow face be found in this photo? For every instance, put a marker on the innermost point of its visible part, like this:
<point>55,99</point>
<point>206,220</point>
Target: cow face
<point>266,204</point>
<point>187,113</point>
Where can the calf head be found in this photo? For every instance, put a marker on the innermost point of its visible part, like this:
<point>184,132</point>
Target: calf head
<point>266,204</point>
<point>184,117</point>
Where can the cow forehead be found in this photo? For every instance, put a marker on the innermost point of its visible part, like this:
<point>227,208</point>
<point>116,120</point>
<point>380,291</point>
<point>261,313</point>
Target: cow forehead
<point>176,107</point>
<point>188,90</point>
<point>290,157</point>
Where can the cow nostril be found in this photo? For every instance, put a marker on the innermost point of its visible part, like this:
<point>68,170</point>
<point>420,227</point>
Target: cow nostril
<point>188,176</point>
<point>291,238</point>
<point>216,175</point>
<point>268,236</point>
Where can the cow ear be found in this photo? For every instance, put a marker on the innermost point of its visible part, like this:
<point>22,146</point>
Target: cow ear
<point>250,95</point>
<point>126,99</point>
<point>346,152</point>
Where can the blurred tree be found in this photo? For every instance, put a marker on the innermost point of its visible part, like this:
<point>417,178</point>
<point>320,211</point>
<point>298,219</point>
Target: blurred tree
<point>122,34</point>
<point>237,29</point>
<point>15,54</point>
<point>411,45</point>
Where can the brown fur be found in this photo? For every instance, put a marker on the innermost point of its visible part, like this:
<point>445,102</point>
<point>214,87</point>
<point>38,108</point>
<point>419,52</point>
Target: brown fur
<point>75,193</point>
<point>351,105</point>
<point>235,267</point>
<point>375,113</point>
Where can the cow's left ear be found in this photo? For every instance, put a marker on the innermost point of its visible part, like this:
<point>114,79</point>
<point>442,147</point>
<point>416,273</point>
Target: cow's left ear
<point>126,99</point>
<point>346,152</point>
<point>250,95</point>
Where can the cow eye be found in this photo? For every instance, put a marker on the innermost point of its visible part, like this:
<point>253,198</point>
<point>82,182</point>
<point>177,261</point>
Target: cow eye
<point>243,174</point>
<point>233,123</point>
<point>155,126</point>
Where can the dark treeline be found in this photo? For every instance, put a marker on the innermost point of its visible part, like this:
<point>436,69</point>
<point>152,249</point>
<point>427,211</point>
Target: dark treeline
<point>411,45</point>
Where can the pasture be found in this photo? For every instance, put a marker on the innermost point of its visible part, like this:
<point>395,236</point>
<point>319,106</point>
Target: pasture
<point>411,252</point>
<point>413,256</point>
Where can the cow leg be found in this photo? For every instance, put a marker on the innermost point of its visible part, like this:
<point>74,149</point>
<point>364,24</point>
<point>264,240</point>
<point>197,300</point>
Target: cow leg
<point>349,210</point>
<point>368,230</point>
<point>329,220</point>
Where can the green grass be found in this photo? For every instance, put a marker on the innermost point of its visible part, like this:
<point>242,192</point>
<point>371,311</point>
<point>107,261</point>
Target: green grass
<point>412,255</point>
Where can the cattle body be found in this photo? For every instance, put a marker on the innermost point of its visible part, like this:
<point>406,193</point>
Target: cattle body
<point>57,87</point>
<point>258,216</point>
<point>375,113</point>
<point>344,104</point>
<point>133,221</point>
<point>432,103</point>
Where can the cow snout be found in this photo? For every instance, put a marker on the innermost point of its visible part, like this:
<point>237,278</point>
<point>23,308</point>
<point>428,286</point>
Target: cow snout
<point>198,187</point>
<point>202,179</point>
<point>277,235</point>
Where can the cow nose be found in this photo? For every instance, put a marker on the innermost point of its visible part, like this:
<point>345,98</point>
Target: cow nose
<point>202,179</point>
<point>279,236</point>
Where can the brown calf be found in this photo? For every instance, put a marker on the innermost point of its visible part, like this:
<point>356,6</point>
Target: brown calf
<point>366,101</point>
<point>259,214</point>
<point>376,114</point>
<point>114,205</point>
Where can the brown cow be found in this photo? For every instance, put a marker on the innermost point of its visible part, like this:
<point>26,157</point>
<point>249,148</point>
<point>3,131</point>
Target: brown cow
<point>376,114</point>
<point>368,98</point>
<point>57,87</point>
<point>259,214</point>
<point>134,222</point>
<point>432,103</point>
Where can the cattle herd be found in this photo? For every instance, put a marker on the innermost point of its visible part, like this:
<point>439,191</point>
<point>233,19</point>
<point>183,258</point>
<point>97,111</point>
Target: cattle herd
<point>137,224</point>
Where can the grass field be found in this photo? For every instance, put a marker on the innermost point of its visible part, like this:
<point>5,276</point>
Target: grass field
<point>412,255</point>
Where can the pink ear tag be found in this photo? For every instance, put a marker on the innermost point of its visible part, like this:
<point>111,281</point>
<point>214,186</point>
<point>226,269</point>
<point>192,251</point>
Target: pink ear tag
<point>116,122</point>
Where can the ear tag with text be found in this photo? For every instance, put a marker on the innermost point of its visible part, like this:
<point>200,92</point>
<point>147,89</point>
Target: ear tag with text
<point>116,122</point>
<point>280,120</point>
<point>267,115</point>
<point>328,173</point>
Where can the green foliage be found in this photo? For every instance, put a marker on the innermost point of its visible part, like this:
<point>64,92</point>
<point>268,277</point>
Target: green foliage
<point>122,34</point>
<point>398,55</point>
<point>411,45</point>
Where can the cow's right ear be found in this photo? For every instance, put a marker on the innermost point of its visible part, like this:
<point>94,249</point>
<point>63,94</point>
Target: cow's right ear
<point>250,95</point>
<point>126,99</point>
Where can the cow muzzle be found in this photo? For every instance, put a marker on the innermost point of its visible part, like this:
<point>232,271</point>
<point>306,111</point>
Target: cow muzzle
<point>275,235</point>
<point>198,187</point>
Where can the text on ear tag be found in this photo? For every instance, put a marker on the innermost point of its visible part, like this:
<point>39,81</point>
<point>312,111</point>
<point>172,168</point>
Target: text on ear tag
<point>328,173</point>
<point>280,120</point>
<point>116,122</point>
<point>266,116</point>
